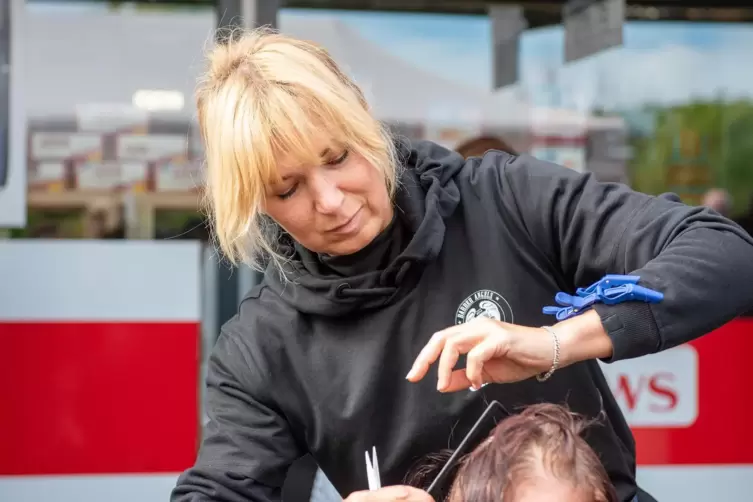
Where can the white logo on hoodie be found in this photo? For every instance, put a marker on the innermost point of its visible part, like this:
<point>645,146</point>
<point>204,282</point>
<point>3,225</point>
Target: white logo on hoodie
<point>484,303</point>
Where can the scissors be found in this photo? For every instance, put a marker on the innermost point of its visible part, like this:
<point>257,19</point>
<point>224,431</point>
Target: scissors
<point>372,470</point>
<point>468,442</point>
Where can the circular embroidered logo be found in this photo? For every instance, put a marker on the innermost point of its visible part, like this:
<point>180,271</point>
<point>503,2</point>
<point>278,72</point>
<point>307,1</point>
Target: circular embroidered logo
<point>484,303</point>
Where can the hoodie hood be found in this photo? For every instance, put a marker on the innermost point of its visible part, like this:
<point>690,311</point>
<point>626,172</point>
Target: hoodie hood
<point>427,195</point>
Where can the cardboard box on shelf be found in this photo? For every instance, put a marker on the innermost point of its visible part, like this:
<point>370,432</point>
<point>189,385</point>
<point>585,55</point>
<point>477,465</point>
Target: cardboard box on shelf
<point>112,176</point>
<point>49,176</point>
<point>182,176</point>
<point>151,147</point>
<point>61,146</point>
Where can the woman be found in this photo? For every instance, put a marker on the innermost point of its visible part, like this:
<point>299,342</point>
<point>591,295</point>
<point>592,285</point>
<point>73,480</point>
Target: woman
<point>537,455</point>
<point>375,247</point>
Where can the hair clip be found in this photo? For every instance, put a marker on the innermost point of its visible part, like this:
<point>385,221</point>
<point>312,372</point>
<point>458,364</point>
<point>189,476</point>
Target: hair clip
<point>608,281</point>
<point>610,290</point>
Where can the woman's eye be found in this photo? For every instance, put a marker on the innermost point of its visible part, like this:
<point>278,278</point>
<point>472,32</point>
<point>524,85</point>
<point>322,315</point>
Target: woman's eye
<point>340,159</point>
<point>287,194</point>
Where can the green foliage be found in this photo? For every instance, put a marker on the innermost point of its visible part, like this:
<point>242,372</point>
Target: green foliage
<point>725,130</point>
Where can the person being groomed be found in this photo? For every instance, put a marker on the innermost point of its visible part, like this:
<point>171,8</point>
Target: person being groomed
<point>538,455</point>
<point>387,258</point>
<point>104,219</point>
<point>478,146</point>
<point>719,200</point>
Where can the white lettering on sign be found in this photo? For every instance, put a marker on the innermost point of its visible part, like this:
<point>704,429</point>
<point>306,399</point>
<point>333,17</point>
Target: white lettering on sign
<point>658,390</point>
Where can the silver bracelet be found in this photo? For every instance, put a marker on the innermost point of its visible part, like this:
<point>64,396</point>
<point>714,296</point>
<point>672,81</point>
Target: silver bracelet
<point>556,360</point>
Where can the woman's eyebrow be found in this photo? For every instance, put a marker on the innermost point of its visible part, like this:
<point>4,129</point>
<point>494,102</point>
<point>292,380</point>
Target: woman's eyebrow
<point>323,155</point>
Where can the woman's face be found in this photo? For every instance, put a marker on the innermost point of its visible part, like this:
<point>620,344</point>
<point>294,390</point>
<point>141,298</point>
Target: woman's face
<point>336,207</point>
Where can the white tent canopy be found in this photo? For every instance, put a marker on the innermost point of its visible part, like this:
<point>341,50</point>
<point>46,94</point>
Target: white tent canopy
<point>102,58</point>
<point>98,60</point>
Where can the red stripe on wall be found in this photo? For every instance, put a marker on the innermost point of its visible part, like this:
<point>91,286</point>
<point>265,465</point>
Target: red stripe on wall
<point>97,398</point>
<point>108,398</point>
<point>721,434</point>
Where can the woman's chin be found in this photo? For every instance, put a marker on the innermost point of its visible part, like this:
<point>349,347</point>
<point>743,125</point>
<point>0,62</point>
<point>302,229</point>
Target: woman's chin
<point>356,242</point>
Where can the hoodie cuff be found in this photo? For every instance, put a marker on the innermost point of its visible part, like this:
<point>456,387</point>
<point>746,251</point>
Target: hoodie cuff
<point>632,328</point>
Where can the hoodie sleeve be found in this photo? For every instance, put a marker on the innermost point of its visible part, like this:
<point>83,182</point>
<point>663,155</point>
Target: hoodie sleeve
<point>247,446</point>
<point>702,262</point>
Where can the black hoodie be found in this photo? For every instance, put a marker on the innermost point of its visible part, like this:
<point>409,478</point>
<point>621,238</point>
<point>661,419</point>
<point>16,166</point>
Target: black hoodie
<point>317,363</point>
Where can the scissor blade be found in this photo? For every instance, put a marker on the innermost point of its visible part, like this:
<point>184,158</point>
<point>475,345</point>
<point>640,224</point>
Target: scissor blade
<point>369,471</point>
<point>375,468</point>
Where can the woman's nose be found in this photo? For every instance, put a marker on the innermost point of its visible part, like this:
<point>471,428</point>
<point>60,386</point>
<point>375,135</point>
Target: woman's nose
<point>327,196</point>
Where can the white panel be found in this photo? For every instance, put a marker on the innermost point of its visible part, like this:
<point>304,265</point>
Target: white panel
<point>87,280</point>
<point>705,483</point>
<point>139,488</point>
<point>657,390</point>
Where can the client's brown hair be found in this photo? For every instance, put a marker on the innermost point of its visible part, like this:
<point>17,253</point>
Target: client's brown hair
<point>544,439</point>
<point>477,147</point>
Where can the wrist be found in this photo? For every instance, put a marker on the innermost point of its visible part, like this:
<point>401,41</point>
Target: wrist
<point>583,338</point>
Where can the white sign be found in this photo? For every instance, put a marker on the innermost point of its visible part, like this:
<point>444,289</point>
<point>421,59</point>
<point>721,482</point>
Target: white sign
<point>110,176</point>
<point>65,146</point>
<point>47,176</point>
<point>178,176</point>
<point>12,116</point>
<point>592,26</point>
<point>658,390</point>
<point>152,147</point>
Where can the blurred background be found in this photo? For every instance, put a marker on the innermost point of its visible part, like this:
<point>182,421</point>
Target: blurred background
<point>111,295</point>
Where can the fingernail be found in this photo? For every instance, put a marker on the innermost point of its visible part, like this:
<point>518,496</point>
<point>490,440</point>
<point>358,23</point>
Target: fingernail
<point>410,374</point>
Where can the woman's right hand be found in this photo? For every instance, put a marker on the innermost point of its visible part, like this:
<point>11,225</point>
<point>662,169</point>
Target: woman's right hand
<point>391,494</point>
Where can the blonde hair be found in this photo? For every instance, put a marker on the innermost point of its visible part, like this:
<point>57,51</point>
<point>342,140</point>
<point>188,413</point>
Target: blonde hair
<point>265,95</point>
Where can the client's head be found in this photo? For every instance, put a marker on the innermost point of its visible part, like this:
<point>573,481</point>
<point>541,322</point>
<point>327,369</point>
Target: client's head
<point>538,455</point>
<point>477,147</point>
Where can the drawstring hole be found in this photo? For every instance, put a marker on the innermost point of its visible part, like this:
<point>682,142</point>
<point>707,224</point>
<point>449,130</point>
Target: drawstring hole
<point>341,288</point>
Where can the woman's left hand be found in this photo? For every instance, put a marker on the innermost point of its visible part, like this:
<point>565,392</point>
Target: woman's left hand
<point>391,494</point>
<point>498,352</point>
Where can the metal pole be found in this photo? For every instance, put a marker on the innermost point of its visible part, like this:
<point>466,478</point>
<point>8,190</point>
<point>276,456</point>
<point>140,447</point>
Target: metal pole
<point>247,13</point>
<point>508,23</point>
